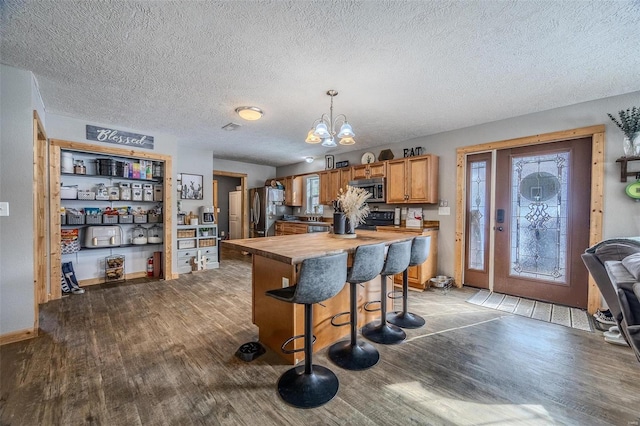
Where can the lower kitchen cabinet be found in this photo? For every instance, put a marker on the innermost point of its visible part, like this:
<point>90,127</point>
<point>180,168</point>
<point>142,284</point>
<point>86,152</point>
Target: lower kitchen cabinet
<point>292,228</point>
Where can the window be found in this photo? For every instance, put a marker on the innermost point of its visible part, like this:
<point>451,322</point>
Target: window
<point>312,191</point>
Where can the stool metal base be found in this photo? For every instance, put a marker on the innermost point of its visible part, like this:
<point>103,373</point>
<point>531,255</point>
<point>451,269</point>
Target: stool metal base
<point>360,356</point>
<point>405,319</point>
<point>308,390</point>
<point>386,334</point>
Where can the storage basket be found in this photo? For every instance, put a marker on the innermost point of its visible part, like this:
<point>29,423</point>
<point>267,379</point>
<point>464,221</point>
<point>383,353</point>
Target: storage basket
<point>126,218</point>
<point>109,218</point>
<point>63,219</point>
<point>183,244</point>
<point>139,218</point>
<point>154,218</point>
<point>75,219</point>
<point>207,242</point>
<point>186,233</point>
<point>86,195</point>
<point>93,219</point>
<point>114,268</point>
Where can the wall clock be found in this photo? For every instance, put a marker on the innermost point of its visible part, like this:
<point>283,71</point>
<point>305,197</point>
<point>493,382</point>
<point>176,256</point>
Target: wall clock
<point>368,157</point>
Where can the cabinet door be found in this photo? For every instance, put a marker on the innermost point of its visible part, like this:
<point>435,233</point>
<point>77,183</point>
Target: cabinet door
<point>422,182</point>
<point>334,184</point>
<point>360,172</point>
<point>325,190</point>
<point>396,181</point>
<point>377,170</point>
<point>345,177</point>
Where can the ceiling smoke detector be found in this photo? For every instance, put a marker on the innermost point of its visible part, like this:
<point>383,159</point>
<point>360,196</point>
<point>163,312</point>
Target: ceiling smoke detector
<point>230,127</point>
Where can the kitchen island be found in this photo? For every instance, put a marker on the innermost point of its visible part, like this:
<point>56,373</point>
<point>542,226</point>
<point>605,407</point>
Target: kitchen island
<point>275,264</point>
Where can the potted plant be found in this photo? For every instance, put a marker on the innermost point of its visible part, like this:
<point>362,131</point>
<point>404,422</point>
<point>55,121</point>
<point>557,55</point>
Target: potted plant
<point>353,202</point>
<point>629,123</point>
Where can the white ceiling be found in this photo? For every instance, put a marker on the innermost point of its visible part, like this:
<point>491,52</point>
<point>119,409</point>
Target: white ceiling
<point>402,69</point>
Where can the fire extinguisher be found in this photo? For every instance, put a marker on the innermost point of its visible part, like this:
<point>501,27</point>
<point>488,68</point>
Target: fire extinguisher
<point>150,267</point>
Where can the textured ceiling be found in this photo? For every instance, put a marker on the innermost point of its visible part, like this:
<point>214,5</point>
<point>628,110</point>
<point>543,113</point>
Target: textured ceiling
<point>403,69</point>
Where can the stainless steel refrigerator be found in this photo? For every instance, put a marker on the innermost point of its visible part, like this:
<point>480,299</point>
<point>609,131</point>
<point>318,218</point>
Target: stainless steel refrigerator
<point>267,206</point>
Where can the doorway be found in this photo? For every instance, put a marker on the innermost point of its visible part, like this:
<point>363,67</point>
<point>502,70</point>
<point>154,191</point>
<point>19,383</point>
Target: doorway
<point>223,184</point>
<point>542,210</point>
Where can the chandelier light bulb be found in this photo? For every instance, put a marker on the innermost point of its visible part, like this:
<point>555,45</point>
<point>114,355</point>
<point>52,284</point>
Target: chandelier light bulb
<point>311,138</point>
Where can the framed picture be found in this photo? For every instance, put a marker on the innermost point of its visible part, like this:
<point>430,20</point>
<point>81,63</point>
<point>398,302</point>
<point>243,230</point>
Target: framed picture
<point>328,161</point>
<point>191,187</point>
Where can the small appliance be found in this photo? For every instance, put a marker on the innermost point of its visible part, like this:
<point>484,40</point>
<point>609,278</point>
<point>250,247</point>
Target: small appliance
<point>206,215</point>
<point>375,186</point>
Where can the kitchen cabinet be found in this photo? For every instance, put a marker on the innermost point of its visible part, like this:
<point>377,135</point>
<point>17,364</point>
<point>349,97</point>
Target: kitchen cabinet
<point>106,165</point>
<point>292,228</point>
<point>292,190</point>
<point>196,242</point>
<point>331,182</point>
<point>368,171</point>
<point>419,275</point>
<point>413,180</point>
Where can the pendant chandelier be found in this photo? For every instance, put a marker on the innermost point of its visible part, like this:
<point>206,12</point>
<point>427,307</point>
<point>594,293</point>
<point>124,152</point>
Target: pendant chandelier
<point>324,129</point>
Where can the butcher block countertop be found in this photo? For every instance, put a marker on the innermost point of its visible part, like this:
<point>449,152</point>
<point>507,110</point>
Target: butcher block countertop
<point>293,249</point>
<point>305,222</point>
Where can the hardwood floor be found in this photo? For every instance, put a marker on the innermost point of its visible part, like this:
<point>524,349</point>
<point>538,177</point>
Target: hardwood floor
<point>157,353</point>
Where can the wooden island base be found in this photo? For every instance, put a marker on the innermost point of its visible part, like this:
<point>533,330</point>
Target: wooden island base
<point>276,261</point>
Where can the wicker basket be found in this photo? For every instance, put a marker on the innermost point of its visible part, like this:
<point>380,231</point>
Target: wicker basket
<point>109,218</point>
<point>186,233</point>
<point>207,242</point>
<point>154,218</point>
<point>126,218</point>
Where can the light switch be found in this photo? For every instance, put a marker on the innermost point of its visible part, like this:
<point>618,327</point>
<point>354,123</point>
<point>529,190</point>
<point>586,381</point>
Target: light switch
<point>444,211</point>
<point>285,282</point>
<point>4,208</point>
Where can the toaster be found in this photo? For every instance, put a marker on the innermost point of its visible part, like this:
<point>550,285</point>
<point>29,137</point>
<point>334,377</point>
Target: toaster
<point>102,236</point>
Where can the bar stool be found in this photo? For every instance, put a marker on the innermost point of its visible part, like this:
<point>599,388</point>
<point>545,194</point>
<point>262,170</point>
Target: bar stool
<point>353,354</point>
<point>419,253</point>
<point>320,279</point>
<point>397,261</point>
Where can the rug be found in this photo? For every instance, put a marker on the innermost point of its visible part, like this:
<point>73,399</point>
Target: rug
<point>543,311</point>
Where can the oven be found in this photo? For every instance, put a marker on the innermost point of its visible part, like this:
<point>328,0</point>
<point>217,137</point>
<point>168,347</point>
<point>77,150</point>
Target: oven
<point>375,186</point>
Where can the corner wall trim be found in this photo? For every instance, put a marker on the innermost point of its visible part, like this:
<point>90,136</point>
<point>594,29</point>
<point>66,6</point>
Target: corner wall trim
<point>18,336</point>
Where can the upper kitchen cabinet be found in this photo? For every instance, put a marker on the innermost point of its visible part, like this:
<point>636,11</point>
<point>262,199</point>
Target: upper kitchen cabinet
<point>331,182</point>
<point>292,191</point>
<point>368,171</point>
<point>412,180</point>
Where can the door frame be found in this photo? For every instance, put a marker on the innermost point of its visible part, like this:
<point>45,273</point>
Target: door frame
<point>245,201</point>
<point>597,190</point>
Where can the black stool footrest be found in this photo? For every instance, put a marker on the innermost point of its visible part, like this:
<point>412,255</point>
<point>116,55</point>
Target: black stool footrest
<point>308,390</point>
<point>291,339</point>
<point>333,323</point>
<point>395,294</point>
<point>367,304</point>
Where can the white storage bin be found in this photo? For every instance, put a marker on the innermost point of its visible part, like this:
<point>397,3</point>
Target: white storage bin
<point>103,236</point>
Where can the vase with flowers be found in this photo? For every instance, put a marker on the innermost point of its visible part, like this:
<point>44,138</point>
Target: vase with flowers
<point>353,203</point>
<point>629,123</point>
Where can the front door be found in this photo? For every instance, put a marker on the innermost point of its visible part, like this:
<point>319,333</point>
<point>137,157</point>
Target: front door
<point>542,221</point>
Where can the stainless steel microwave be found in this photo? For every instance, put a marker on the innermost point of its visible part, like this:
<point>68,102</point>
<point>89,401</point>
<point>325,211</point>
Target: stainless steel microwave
<point>375,186</point>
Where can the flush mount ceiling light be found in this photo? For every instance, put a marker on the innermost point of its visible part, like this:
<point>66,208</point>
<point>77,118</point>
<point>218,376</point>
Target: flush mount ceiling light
<point>250,113</point>
<point>324,129</point>
<point>308,159</point>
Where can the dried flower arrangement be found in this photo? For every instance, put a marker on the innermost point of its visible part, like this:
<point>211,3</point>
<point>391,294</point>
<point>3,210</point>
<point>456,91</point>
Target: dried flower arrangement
<point>353,202</point>
<point>629,121</point>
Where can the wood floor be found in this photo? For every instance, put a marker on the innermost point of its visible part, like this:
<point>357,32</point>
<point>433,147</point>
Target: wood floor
<point>162,353</point>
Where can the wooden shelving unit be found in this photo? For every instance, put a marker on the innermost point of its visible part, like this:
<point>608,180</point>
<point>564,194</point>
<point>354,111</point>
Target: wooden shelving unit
<point>624,173</point>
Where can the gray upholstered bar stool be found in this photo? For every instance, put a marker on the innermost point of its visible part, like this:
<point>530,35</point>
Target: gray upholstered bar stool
<point>397,261</point>
<point>353,354</point>
<point>419,253</point>
<point>320,279</point>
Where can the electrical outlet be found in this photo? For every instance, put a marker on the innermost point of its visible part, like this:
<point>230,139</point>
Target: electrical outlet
<point>4,209</point>
<point>444,211</point>
<point>285,282</point>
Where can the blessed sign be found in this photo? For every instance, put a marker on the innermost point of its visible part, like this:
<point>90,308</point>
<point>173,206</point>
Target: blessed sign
<point>119,137</point>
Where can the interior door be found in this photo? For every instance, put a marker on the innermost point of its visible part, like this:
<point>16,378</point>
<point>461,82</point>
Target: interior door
<point>542,221</point>
<point>235,215</point>
<point>478,205</point>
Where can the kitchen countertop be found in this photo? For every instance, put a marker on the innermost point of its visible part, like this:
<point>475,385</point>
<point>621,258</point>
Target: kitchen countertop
<point>293,249</point>
<point>305,222</point>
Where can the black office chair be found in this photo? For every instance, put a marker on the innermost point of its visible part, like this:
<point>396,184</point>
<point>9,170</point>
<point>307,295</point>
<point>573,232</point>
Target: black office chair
<point>320,279</point>
<point>353,354</point>
<point>397,260</point>
<point>419,253</point>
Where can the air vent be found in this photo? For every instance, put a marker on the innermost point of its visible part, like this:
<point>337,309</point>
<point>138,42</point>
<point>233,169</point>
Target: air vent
<point>230,127</point>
